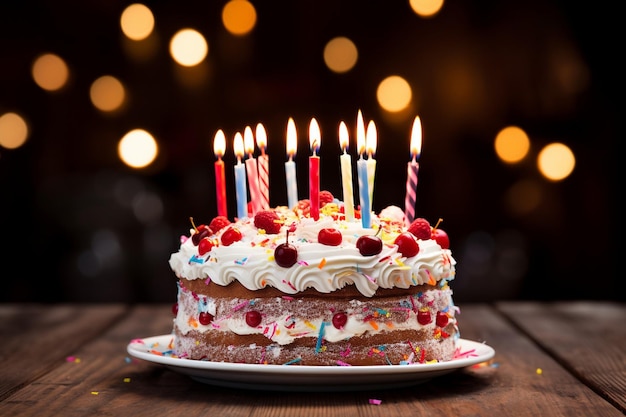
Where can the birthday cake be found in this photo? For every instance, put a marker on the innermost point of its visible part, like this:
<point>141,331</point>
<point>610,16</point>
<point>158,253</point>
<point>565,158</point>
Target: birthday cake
<point>280,287</point>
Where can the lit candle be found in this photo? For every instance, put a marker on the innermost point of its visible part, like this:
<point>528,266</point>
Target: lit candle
<point>370,145</point>
<point>361,168</point>
<point>251,170</point>
<point>219,147</point>
<point>412,170</point>
<point>240,178</point>
<point>346,173</point>
<point>314,169</point>
<point>264,167</point>
<point>290,165</point>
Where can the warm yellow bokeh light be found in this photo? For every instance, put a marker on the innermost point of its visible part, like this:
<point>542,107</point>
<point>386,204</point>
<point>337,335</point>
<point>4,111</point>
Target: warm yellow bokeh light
<point>511,144</point>
<point>239,17</point>
<point>13,130</point>
<point>137,148</point>
<point>556,161</point>
<point>107,93</point>
<point>137,22</point>
<point>426,8</point>
<point>394,94</point>
<point>50,72</point>
<point>188,47</point>
<point>340,54</point>
<point>523,197</point>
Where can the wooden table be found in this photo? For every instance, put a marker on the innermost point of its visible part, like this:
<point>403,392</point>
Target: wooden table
<point>552,359</point>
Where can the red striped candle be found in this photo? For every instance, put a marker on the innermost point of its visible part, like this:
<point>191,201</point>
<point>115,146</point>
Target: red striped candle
<point>412,171</point>
<point>264,167</point>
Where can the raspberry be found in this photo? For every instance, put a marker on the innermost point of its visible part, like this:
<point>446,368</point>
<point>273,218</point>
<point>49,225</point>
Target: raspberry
<point>325,198</point>
<point>267,220</point>
<point>421,229</point>
<point>218,223</point>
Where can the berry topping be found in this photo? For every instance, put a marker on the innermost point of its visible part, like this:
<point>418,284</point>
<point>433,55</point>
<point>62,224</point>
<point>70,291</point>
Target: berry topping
<point>267,220</point>
<point>253,318</point>
<point>441,319</point>
<point>199,232</point>
<point>325,198</point>
<point>329,236</point>
<point>175,308</point>
<point>205,245</point>
<point>286,254</point>
<point>423,317</point>
<point>421,229</point>
<point>440,236</point>
<point>369,245</point>
<point>205,318</point>
<point>218,223</point>
<point>230,236</point>
<point>340,320</point>
<point>407,244</point>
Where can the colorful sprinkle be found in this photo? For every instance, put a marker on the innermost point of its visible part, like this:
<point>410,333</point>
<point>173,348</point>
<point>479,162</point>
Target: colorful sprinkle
<point>322,263</point>
<point>375,401</point>
<point>296,360</point>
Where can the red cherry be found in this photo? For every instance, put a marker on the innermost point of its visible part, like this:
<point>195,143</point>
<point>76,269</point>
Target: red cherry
<point>205,318</point>
<point>175,308</point>
<point>329,236</point>
<point>369,245</point>
<point>441,238</point>
<point>407,244</point>
<point>442,319</point>
<point>253,318</point>
<point>205,245</point>
<point>340,320</point>
<point>423,317</point>
<point>230,236</point>
<point>201,232</point>
<point>286,255</point>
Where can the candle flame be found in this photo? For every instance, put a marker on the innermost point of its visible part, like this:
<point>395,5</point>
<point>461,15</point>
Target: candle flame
<point>343,136</point>
<point>238,145</point>
<point>248,140</point>
<point>219,144</point>
<point>261,136</point>
<point>360,133</point>
<point>292,138</point>
<point>416,138</point>
<point>314,136</point>
<point>371,138</point>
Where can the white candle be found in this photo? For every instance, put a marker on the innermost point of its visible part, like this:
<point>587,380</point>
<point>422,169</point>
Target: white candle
<point>290,165</point>
<point>240,178</point>
<point>346,173</point>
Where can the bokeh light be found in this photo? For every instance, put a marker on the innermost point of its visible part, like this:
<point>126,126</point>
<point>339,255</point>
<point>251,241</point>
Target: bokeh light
<point>426,8</point>
<point>239,17</point>
<point>340,54</point>
<point>137,148</point>
<point>523,197</point>
<point>50,72</point>
<point>511,144</point>
<point>137,22</point>
<point>556,161</point>
<point>188,47</point>
<point>13,130</point>
<point>394,94</point>
<point>107,93</point>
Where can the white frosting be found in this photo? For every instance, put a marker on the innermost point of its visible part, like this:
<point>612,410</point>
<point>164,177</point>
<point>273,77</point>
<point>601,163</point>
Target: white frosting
<point>324,268</point>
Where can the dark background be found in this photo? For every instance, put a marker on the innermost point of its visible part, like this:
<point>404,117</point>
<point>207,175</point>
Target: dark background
<point>79,225</point>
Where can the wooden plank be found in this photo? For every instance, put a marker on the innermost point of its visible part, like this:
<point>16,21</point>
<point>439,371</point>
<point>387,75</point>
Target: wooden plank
<point>96,385</point>
<point>588,338</point>
<point>36,337</point>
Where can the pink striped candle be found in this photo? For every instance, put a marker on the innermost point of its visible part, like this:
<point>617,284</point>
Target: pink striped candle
<point>314,169</point>
<point>264,167</point>
<point>412,170</point>
<point>252,170</point>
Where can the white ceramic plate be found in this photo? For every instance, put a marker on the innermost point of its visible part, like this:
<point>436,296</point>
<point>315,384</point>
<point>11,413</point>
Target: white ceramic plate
<point>158,350</point>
